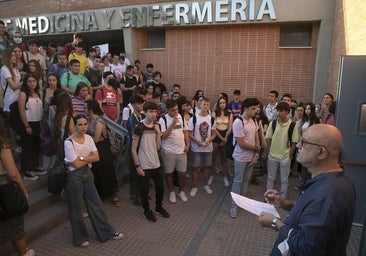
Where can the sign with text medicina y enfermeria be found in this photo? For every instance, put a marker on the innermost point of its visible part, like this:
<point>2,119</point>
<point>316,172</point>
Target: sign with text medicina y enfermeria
<point>155,15</point>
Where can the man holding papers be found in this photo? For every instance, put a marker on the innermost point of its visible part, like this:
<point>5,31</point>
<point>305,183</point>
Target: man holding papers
<point>320,221</point>
<point>246,141</point>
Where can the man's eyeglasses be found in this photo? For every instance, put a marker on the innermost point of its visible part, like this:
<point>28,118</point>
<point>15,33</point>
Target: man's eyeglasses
<point>302,141</point>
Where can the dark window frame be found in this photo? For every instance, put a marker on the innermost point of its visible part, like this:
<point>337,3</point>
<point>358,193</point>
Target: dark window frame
<point>156,39</point>
<point>295,35</point>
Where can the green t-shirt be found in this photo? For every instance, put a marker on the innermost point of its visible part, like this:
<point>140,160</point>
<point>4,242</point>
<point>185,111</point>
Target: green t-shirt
<point>71,80</point>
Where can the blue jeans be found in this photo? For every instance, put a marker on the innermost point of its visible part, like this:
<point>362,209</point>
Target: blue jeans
<point>79,186</point>
<point>242,173</point>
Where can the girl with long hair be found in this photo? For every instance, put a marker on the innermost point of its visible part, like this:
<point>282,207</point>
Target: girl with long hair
<point>52,84</point>
<point>224,121</point>
<point>10,80</point>
<point>12,230</point>
<point>104,177</point>
<point>309,117</point>
<point>21,64</point>
<point>80,153</point>
<point>31,112</point>
<point>79,98</point>
<point>64,111</point>
<point>34,68</point>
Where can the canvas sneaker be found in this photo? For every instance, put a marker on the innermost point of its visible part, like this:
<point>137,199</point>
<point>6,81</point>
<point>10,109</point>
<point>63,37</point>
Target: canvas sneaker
<point>84,244</point>
<point>183,196</point>
<point>117,236</point>
<point>193,192</point>
<point>39,172</point>
<point>210,180</point>
<point>149,216</point>
<point>233,213</point>
<point>30,176</point>
<point>162,212</point>
<point>207,189</point>
<point>29,252</point>
<point>172,197</point>
<point>226,182</point>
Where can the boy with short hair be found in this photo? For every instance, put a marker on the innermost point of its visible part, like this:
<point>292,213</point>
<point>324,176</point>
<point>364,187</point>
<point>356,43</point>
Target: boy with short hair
<point>235,105</point>
<point>201,128</point>
<point>146,141</point>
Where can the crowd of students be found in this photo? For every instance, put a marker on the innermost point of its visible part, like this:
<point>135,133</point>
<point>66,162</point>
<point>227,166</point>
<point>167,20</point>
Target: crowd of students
<point>170,133</point>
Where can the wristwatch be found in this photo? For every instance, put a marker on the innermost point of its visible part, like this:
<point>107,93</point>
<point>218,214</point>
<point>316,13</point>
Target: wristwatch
<point>81,158</point>
<point>274,222</point>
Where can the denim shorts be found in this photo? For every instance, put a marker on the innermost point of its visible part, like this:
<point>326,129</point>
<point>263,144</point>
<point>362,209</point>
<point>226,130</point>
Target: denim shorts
<point>201,159</point>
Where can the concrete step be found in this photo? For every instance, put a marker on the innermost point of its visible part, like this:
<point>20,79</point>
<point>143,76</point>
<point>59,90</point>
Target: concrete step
<point>46,211</point>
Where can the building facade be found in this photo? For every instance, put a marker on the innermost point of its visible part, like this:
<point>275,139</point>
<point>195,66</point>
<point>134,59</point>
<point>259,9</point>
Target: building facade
<point>216,46</point>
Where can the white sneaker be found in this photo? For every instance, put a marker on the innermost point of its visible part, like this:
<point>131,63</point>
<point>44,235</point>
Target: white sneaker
<point>233,213</point>
<point>210,180</point>
<point>29,252</point>
<point>207,189</point>
<point>84,244</point>
<point>226,182</point>
<point>85,215</point>
<point>30,176</point>
<point>172,198</point>
<point>193,192</point>
<point>182,196</point>
<point>38,172</point>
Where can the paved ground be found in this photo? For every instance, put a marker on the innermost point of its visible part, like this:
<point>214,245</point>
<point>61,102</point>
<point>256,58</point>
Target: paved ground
<point>199,227</point>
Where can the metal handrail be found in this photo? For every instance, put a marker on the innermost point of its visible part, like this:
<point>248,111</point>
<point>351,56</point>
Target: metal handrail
<point>123,157</point>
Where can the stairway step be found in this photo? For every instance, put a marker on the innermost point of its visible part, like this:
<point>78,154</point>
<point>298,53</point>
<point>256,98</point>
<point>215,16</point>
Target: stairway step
<point>46,211</point>
<point>41,221</point>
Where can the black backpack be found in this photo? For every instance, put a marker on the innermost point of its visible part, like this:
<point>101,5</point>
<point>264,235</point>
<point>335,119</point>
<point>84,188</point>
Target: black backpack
<point>229,146</point>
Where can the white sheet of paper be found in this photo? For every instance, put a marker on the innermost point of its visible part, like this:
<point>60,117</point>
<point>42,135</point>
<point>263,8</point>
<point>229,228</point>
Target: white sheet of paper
<point>253,206</point>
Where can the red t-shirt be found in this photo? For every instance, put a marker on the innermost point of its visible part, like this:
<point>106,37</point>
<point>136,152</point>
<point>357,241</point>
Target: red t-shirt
<point>109,98</point>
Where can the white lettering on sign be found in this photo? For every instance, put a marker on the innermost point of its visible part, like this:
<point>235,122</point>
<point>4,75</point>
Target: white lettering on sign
<point>168,14</point>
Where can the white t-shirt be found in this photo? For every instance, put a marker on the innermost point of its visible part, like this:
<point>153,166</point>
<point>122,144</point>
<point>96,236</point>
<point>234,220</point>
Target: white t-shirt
<point>34,109</point>
<point>147,150</point>
<point>118,70</point>
<point>73,150</point>
<point>42,61</point>
<point>127,111</point>
<point>202,131</point>
<point>10,94</point>
<point>247,131</point>
<point>175,142</point>
<point>270,111</point>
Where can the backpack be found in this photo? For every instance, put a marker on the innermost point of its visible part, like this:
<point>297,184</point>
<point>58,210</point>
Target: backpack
<point>114,141</point>
<point>48,145</point>
<point>289,132</point>
<point>230,145</point>
<point>14,117</point>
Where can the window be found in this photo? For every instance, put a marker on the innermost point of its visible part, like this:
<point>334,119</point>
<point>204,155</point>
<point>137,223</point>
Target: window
<point>156,39</point>
<point>362,119</point>
<point>295,35</point>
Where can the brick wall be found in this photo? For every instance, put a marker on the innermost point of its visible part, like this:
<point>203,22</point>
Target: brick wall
<point>224,58</point>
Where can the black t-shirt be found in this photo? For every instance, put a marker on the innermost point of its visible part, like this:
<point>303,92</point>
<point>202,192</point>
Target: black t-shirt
<point>94,76</point>
<point>159,87</point>
<point>128,83</point>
